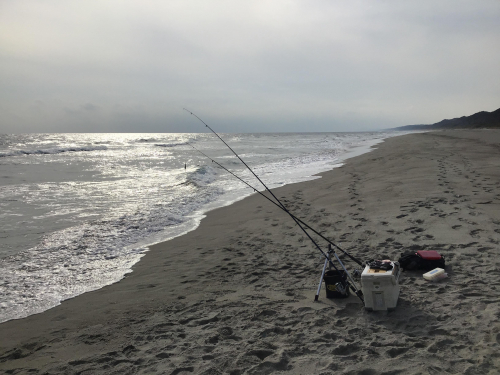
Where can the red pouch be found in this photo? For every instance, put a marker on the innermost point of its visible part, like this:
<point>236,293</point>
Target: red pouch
<point>429,254</point>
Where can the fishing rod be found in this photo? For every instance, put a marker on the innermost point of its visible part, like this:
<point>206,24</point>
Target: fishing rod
<point>280,207</point>
<point>358,292</point>
<point>327,260</point>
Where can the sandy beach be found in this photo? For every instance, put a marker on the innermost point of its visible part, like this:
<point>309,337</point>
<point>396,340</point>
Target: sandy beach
<point>236,296</point>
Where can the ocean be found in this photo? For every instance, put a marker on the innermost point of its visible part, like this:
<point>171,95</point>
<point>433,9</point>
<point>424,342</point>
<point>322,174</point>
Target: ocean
<point>79,210</point>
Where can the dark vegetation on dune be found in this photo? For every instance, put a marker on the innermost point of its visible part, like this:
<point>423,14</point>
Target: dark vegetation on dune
<point>480,120</point>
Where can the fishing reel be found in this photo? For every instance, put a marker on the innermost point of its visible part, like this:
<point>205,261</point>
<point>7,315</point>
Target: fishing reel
<point>341,289</point>
<point>356,274</point>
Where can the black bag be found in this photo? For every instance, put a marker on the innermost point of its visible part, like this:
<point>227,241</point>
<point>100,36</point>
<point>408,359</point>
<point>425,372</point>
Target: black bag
<point>411,260</point>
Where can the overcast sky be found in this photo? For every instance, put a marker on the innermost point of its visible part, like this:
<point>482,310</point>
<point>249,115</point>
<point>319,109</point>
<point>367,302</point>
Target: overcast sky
<point>244,66</point>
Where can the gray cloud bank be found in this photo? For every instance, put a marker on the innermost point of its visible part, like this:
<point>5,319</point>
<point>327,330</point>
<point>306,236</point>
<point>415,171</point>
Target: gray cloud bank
<point>244,66</point>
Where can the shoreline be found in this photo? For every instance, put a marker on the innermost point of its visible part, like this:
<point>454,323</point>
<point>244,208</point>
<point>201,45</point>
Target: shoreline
<point>236,294</point>
<point>356,151</point>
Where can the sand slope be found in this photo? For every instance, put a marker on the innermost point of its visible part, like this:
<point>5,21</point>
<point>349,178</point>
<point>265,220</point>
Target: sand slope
<point>236,295</point>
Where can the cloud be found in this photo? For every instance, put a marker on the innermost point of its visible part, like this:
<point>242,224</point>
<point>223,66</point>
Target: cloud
<point>246,66</point>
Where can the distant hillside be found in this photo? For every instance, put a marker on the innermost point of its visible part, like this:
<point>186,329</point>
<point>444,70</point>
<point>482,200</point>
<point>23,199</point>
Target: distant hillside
<point>477,120</point>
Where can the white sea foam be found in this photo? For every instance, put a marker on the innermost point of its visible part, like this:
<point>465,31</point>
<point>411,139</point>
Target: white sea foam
<point>49,151</point>
<point>171,144</point>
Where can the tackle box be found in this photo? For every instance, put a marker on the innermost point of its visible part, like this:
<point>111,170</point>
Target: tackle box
<point>435,274</point>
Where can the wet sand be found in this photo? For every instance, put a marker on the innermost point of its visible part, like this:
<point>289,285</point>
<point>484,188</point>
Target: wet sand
<point>236,296</point>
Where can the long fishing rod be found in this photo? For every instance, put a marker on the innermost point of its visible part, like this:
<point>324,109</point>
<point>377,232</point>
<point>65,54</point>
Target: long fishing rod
<point>358,293</point>
<point>280,207</point>
<point>327,260</point>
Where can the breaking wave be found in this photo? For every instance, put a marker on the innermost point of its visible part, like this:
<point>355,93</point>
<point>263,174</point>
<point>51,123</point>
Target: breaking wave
<point>171,144</point>
<point>50,151</point>
<point>202,176</point>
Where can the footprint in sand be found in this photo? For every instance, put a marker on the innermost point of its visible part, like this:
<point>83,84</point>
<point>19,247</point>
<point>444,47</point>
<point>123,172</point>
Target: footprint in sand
<point>474,233</point>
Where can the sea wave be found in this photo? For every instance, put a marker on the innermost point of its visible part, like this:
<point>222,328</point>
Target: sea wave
<point>74,260</point>
<point>171,144</point>
<point>202,176</point>
<point>57,150</point>
<point>86,257</point>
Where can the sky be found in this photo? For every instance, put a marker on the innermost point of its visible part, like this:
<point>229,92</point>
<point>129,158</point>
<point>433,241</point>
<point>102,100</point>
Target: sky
<point>244,66</point>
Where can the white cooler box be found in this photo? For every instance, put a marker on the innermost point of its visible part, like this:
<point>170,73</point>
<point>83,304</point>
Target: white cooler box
<point>381,288</point>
